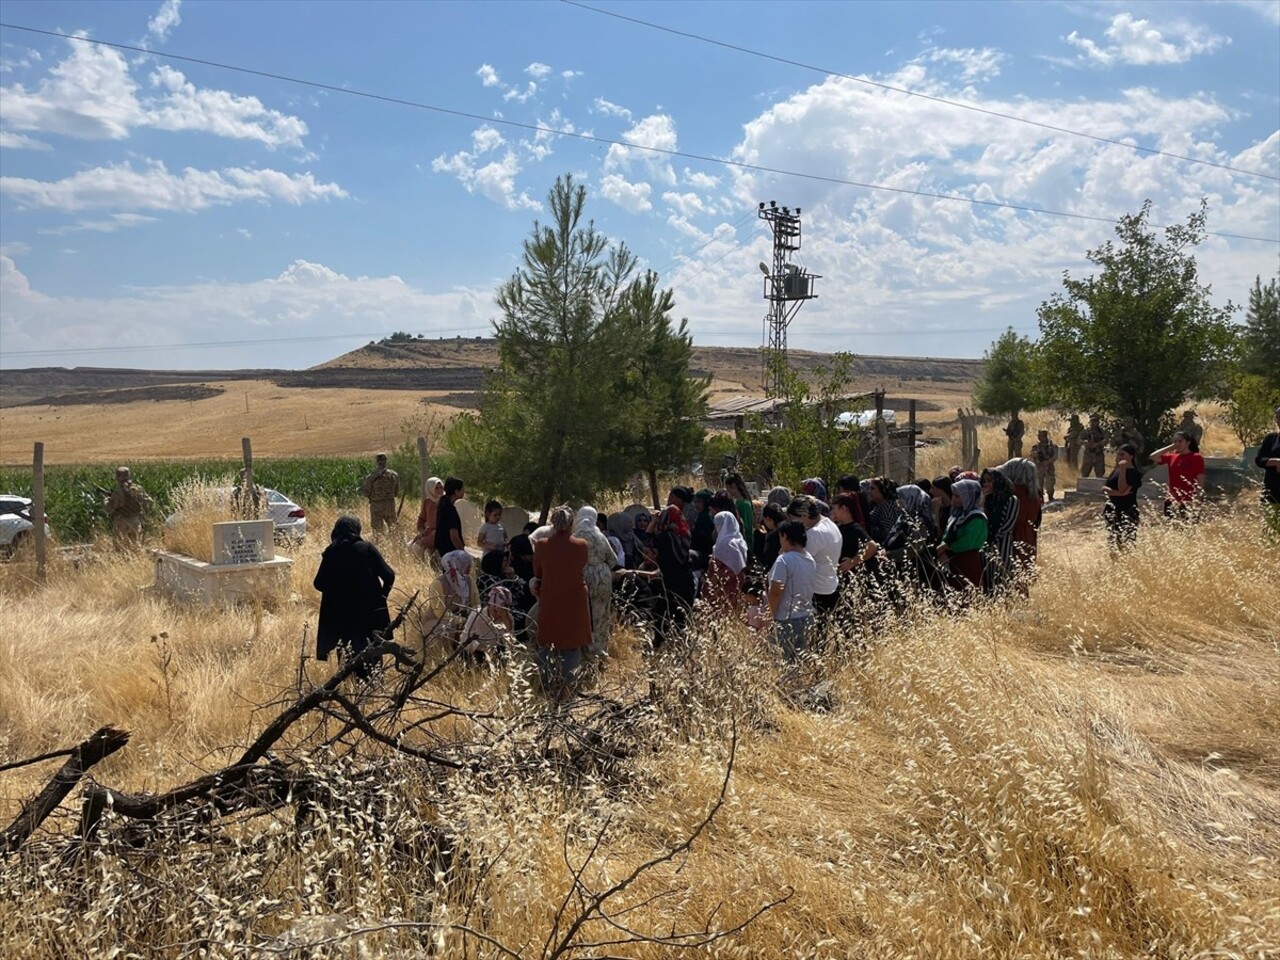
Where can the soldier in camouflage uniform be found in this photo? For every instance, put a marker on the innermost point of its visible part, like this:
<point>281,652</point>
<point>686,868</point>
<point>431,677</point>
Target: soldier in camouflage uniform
<point>1044,453</point>
<point>1074,429</point>
<point>1190,428</point>
<point>1094,439</point>
<point>125,506</point>
<point>1015,431</point>
<point>381,489</point>
<point>1129,434</point>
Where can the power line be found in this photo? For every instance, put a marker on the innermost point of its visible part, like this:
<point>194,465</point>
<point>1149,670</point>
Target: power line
<point>913,93</point>
<point>591,138</point>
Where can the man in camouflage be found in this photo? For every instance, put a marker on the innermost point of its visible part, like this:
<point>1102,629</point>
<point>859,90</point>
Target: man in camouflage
<point>1094,448</point>
<point>1129,434</point>
<point>1074,429</point>
<point>1015,431</point>
<point>1189,426</point>
<point>1044,453</point>
<point>381,489</point>
<point>125,506</point>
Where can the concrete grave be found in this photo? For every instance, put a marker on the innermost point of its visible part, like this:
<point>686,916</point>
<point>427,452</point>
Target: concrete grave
<point>243,541</point>
<point>247,568</point>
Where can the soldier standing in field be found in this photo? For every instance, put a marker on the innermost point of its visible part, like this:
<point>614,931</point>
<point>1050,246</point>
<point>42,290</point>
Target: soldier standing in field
<point>125,506</point>
<point>1094,441</point>
<point>1074,429</point>
<point>381,489</point>
<point>1044,453</point>
<point>1129,434</point>
<point>1190,428</point>
<point>1015,431</point>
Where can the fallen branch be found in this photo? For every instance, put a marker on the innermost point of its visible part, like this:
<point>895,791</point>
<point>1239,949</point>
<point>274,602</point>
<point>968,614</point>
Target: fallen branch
<point>100,745</point>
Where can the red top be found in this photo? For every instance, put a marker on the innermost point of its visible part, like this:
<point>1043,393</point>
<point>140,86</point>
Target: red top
<point>1185,473</point>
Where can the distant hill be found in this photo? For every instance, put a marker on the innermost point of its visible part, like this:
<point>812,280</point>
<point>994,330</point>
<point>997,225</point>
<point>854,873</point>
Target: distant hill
<point>457,366</point>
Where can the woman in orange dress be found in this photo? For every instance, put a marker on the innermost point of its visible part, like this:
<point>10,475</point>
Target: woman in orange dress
<point>564,611</point>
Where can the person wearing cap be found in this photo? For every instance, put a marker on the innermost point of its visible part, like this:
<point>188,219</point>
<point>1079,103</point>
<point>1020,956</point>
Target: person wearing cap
<point>125,506</point>
<point>1094,446</point>
<point>381,488</point>
<point>1268,459</point>
<point>1043,454</point>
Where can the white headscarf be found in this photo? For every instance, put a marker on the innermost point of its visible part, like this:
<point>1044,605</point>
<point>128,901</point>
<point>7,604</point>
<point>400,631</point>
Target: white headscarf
<point>432,483</point>
<point>456,568</point>
<point>730,549</point>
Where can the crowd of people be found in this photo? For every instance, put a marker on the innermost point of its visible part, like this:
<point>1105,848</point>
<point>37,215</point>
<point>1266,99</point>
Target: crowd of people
<point>794,566</point>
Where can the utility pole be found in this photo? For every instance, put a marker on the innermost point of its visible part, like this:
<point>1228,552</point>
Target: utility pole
<point>786,287</point>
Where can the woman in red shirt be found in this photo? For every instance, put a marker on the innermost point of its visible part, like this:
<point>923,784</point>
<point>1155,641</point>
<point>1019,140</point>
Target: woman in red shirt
<point>1186,475</point>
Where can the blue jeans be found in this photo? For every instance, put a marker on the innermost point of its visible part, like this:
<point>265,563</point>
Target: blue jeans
<point>557,668</point>
<point>789,635</point>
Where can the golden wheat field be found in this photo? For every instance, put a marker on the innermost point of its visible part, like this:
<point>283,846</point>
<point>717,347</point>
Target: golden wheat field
<point>1093,771</point>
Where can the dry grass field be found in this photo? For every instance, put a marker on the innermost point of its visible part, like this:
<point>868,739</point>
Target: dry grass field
<point>1090,772</point>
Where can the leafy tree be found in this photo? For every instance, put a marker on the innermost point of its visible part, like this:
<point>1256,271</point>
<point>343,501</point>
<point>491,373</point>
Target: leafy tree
<point>660,407</point>
<point>1250,410</point>
<point>1008,383</point>
<point>806,440</point>
<point>564,416</point>
<point>1141,335</point>
<point>1260,342</point>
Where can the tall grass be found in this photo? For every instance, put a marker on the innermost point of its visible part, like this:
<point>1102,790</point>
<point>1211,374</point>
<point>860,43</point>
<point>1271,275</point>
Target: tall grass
<point>1090,772</point>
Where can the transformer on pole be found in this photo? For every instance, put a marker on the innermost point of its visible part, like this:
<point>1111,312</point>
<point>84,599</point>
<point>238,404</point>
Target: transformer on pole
<point>786,287</point>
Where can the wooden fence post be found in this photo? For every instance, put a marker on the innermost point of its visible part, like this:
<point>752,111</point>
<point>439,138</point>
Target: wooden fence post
<point>37,509</point>
<point>424,466</point>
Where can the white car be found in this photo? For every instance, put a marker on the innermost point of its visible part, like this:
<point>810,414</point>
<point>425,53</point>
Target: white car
<point>15,522</point>
<point>290,519</point>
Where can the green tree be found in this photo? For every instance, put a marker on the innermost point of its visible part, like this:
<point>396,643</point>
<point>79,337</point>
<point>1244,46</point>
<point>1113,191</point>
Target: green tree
<point>1008,383</point>
<point>1260,340</point>
<point>805,438</point>
<point>1141,335</point>
<point>593,376</point>
<point>661,409</point>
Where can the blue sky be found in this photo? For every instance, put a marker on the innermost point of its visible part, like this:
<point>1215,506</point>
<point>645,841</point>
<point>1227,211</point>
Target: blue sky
<point>147,203</point>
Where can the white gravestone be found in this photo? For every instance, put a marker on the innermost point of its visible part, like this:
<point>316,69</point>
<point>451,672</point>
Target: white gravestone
<point>243,541</point>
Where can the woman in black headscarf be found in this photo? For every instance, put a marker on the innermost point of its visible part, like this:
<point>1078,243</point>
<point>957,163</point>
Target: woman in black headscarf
<point>354,582</point>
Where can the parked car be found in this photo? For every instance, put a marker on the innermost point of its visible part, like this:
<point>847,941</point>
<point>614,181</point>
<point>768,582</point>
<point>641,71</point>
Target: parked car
<point>290,519</point>
<point>15,522</point>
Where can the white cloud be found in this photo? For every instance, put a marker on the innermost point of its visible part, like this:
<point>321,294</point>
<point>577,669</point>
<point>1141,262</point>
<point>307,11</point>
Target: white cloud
<point>242,232</point>
<point>539,71</point>
<point>26,59</point>
<point>703,181</point>
<point>20,141</point>
<point>155,188</point>
<point>521,96</point>
<point>632,197</point>
<point>183,107</point>
<point>1268,9</point>
<point>974,64</point>
<point>89,95</point>
<point>486,138</point>
<point>567,75</point>
<point>495,179</point>
<point>609,109</point>
<point>92,95</point>
<point>1141,43</point>
<point>303,299</point>
<point>894,265</point>
<point>688,204</point>
<point>117,221</point>
<point>166,18</point>
<point>539,148</point>
<point>657,131</point>
<point>488,76</point>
